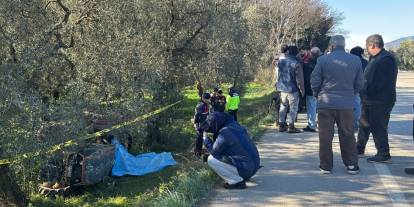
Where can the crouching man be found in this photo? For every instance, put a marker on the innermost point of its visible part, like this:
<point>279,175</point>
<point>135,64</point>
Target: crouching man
<point>233,155</point>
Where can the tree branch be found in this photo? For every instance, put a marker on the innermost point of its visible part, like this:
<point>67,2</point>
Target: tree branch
<point>13,52</point>
<point>63,20</point>
<point>194,35</point>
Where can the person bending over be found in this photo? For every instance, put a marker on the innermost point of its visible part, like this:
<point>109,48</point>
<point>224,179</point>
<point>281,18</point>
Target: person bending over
<point>233,155</point>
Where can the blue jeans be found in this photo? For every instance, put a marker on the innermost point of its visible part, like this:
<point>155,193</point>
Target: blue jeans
<point>357,111</point>
<point>311,111</point>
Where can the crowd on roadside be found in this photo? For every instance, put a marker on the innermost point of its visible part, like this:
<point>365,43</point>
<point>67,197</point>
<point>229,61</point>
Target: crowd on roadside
<point>339,88</point>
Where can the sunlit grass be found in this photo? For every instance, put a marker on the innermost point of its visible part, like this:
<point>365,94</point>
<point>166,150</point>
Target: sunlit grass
<point>187,188</point>
<point>180,185</point>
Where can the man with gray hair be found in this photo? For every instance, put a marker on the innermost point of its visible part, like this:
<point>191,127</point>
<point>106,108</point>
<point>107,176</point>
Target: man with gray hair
<point>335,81</point>
<point>378,97</point>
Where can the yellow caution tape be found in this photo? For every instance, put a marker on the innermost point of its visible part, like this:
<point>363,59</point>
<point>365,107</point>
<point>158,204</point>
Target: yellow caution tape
<point>89,136</point>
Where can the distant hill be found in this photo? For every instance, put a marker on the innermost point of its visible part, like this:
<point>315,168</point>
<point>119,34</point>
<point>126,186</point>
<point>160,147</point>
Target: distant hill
<point>396,43</point>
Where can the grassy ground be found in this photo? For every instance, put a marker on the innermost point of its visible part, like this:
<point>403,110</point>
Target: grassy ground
<point>180,185</point>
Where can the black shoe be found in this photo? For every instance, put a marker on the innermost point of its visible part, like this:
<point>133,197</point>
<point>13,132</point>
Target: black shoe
<point>360,152</point>
<point>352,169</point>
<point>379,158</point>
<point>282,127</point>
<point>239,185</point>
<point>205,157</point>
<point>323,171</point>
<point>308,129</point>
<point>197,154</point>
<point>293,129</point>
<point>409,170</point>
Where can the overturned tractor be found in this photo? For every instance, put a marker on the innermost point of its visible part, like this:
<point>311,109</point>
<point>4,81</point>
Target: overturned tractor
<point>67,172</point>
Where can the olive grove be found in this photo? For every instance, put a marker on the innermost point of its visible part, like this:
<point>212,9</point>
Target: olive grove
<point>64,63</point>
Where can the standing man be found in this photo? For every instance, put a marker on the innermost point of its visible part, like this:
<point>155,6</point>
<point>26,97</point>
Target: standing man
<point>378,98</point>
<point>232,102</point>
<point>201,112</point>
<point>283,49</point>
<point>308,68</point>
<point>335,81</point>
<point>218,100</point>
<point>291,86</point>
<point>358,51</point>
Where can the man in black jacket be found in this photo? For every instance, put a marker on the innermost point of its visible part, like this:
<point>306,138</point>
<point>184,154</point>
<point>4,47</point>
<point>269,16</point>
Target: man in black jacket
<point>308,67</point>
<point>201,112</point>
<point>218,100</point>
<point>378,98</point>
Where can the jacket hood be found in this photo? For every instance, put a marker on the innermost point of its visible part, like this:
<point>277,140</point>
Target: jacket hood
<point>216,121</point>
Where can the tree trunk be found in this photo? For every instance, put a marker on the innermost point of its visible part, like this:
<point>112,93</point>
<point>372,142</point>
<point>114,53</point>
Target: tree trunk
<point>154,133</point>
<point>10,193</point>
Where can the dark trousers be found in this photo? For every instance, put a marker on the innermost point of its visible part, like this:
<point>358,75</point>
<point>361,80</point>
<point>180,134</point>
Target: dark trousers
<point>234,114</point>
<point>344,119</point>
<point>199,141</point>
<point>375,119</point>
<point>276,102</point>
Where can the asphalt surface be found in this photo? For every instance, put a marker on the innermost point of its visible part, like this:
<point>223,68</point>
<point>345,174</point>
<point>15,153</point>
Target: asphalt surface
<point>291,177</point>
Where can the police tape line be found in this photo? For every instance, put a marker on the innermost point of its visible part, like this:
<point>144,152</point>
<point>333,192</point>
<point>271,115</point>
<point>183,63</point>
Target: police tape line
<point>89,136</point>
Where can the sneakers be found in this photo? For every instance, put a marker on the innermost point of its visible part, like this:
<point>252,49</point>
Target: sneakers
<point>282,127</point>
<point>352,169</point>
<point>239,185</point>
<point>379,158</point>
<point>308,129</point>
<point>293,129</point>
<point>323,171</point>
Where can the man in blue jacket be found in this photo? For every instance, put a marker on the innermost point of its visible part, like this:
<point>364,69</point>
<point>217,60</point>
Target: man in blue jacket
<point>335,81</point>
<point>291,86</point>
<point>233,155</point>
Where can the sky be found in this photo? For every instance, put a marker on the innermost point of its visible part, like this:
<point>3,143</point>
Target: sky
<point>392,19</point>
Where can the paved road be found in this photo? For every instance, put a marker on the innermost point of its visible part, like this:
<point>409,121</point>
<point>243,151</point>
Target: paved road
<point>291,176</point>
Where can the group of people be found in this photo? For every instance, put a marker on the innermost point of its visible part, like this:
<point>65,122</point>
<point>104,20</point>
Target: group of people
<point>214,102</point>
<point>293,70</point>
<point>233,155</point>
<point>340,88</point>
